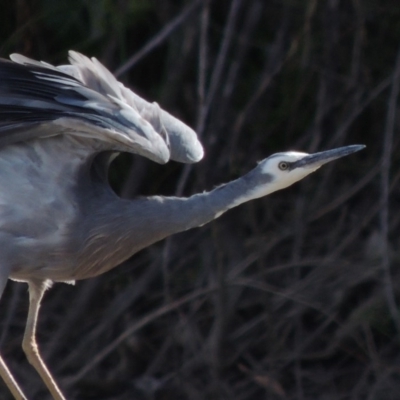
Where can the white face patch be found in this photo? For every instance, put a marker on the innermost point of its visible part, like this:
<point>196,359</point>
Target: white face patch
<point>274,163</point>
<point>272,174</point>
<point>278,166</point>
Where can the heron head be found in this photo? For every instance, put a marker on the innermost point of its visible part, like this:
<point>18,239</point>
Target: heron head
<point>283,169</point>
<point>280,171</point>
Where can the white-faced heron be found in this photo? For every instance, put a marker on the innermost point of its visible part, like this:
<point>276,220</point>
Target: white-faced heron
<point>59,219</point>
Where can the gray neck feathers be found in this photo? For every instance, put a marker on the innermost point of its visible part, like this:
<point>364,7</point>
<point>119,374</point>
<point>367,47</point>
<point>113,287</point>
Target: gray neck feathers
<point>120,228</point>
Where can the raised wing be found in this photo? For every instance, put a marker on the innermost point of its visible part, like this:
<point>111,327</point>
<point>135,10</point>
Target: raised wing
<point>84,99</point>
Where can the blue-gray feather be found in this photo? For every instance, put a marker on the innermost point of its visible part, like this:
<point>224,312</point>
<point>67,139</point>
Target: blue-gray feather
<point>87,97</point>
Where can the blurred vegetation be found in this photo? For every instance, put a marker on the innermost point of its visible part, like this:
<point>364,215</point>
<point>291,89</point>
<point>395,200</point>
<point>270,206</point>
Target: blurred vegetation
<point>294,296</point>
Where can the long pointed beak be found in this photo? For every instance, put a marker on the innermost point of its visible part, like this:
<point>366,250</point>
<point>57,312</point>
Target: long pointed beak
<point>317,159</point>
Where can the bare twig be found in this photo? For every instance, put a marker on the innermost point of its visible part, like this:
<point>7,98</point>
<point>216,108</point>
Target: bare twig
<point>159,38</point>
<point>130,330</point>
<point>385,190</point>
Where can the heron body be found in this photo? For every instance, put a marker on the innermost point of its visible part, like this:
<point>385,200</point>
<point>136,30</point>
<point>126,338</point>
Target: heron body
<point>60,221</point>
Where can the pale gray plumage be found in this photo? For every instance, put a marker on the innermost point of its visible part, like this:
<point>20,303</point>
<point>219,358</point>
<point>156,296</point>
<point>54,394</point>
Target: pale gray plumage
<point>59,219</point>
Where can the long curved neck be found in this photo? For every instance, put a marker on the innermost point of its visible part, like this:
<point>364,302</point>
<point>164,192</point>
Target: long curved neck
<point>155,218</point>
<point>121,228</point>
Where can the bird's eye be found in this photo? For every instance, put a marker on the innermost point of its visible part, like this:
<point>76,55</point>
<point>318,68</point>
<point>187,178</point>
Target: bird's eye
<point>283,165</point>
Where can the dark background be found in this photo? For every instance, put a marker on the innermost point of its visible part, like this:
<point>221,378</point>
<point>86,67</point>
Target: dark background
<point>294,296</point>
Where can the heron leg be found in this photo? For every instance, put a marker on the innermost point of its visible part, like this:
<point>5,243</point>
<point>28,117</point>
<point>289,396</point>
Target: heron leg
<point>29,344</point>
<point>4,371</point>
<point>10,381</point>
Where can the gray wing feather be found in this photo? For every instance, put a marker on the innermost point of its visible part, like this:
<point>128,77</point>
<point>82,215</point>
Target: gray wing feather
<point>184,144</point>
<point>38,100</point>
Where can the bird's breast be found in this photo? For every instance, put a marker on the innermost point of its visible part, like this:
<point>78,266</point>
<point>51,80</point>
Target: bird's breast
<point>38,204</point>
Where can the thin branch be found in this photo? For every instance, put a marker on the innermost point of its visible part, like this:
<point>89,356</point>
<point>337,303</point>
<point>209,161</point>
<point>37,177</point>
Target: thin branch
<point>131,329</point>
<point>215,80</point>
<point>203,59</point>
<point>385,191</point>
<point>159,38</point>
<point>221,60</point>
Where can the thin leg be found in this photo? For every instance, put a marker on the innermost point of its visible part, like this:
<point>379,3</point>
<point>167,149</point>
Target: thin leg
<point>10,381</point>
<point>36,291</point>
<point>4,371</point>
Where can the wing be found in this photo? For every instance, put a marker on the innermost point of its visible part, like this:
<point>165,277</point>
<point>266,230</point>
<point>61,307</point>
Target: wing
<point>84,99</point>
<point>184,144</point>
